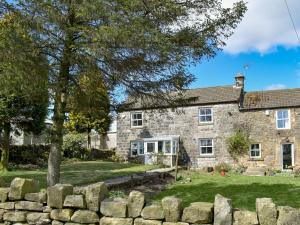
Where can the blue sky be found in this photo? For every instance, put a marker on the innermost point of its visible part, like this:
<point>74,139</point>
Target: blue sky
<point>266,41</point>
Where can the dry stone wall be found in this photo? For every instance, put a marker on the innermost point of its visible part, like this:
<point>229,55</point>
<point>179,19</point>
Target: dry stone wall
<point>22,203</point>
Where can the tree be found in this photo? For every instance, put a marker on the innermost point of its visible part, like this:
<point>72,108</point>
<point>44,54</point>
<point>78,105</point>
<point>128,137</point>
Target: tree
<point>23,84</point>
<point>89,106</point>
<point>142,47</point>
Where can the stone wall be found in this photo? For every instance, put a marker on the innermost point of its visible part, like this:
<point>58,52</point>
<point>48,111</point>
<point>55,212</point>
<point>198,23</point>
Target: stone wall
<point>184,122</point>
<point>23,203</point>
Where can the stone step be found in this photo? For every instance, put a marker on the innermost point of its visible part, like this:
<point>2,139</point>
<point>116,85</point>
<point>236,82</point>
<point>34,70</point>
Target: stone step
<point>254,173</point>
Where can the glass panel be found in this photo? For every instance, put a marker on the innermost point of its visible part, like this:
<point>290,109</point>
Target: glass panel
<point>281,124</point>
<point>160,146</point>
<point>167,146</point>
<point>287,156</point>
<point>150,147</point>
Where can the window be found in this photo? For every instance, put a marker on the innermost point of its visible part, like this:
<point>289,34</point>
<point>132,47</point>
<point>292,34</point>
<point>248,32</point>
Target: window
<point>255,151</point>
<point>205,115</point>
<point>167,147</point>
<point>206,146</point>
<point>137,148</point>
<point>150,147</point>
<point>137,119</point>
<point>283,119</point>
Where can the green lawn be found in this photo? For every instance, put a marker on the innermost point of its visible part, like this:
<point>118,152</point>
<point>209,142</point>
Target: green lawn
<point>80,173</point>
<point>243,190</point>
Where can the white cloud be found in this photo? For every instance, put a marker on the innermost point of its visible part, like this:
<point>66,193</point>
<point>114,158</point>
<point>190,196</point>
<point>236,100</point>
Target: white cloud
<point>276,87</point>
<point>265,26</point>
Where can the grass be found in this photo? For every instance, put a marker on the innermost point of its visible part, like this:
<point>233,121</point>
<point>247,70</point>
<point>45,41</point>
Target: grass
<point>243,190</point>
<point>80,173</point>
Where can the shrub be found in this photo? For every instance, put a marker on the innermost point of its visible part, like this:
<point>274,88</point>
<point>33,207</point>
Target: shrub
<point>240,169</point>
<point>222,166</point>
<point>74,146</point>
<point>238,144</point>
<point>29,154</point>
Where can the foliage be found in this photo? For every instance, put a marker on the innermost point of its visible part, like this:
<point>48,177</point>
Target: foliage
<point>142,47</point>
<point>240,169</point>
<point>23,83</point>
<point>29,154</point>
<point>238,144</point>
<point>117,194</point>
<point>116,158</point>
<point>222,166</point>
<point>74,146</point>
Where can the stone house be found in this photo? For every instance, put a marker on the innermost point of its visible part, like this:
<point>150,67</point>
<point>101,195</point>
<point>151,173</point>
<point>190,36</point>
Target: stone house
<point>201,128</point>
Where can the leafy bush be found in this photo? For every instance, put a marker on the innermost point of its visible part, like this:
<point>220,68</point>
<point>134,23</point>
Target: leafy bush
<point>74,146</point>
<point>240,169</point>
<point>29,154</point>
<point>238,144</point>
<point>222,166</point>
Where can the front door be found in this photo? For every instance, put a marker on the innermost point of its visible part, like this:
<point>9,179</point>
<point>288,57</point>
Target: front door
<point>150,149</point>
<point>287,156</point>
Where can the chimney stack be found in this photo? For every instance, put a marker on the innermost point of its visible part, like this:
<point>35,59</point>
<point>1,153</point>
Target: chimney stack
<point>239,81</point>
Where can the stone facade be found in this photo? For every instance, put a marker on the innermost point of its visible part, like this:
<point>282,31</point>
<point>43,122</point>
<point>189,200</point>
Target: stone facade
<point>184,121</point>
<point>134,210</point>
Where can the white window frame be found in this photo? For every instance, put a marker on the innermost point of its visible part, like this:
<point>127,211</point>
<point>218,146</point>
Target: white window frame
<point>199,115</point>
<point>132,120</point>
<point>212,146</point>
<point>289,119</point>
<point>140,145</point>
<point>250,149</point>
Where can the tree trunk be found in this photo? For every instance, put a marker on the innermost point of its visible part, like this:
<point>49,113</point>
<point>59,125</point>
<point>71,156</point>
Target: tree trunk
<point>89,138</point>
<point>61,93</point>
<point>5,148</point>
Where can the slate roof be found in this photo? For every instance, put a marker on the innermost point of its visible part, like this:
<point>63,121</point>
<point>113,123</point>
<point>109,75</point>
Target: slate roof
<point>199,96</point>
<point>272,99</point>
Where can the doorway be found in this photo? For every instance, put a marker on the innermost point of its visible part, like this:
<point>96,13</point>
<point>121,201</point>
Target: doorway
<point>287,156</point>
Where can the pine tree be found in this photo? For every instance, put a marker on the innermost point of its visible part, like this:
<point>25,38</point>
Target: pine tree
<point>142,47</point>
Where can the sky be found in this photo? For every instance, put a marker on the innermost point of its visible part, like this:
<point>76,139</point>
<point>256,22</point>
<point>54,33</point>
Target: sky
<point>265,42</point>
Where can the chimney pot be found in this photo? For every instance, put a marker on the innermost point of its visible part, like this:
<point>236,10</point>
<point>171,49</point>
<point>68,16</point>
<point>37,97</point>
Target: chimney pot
<point>239,80</point>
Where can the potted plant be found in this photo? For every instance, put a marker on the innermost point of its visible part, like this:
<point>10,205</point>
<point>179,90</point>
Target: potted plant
<point>222,168</point>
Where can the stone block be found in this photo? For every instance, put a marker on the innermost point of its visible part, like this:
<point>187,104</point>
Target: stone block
<point>116,221</point>
<point>56,222</point>
<point>140,221</point>
<point>198,212</point>
<point>75,201</point>
<point>20,186</point>
<point>153,212</point>
<point>173,223</point>
<point>244,217</point>
<point>172,208</point>
<point>30,206</point>
<point>37,218</point>
<point>288,216</point>
<point>2,211</point>
<point>222,210</point>
<point>61,214</point>
<point>7,205</point>
<point>113,208</point>
<point>95,193</point>
<point>3,194</point>
<point>15,216</point>
<point>56,195</point>
<point>40,197</point>
<point>135,204</point>
<point>85,216</point>
<point>266,211</point>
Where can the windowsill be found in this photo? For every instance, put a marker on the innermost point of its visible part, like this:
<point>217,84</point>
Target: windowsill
<point>256,159</point>
<point>206,156</point>
<point>140,127</point>
<point>205,123</point>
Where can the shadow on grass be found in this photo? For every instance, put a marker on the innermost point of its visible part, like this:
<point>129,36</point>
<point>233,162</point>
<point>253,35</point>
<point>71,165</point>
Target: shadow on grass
<point>242,195</point>
<point>80,173</point>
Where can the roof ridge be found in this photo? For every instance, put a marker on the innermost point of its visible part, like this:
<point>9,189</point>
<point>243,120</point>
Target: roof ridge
<point>278,90</point>
<point>191,89</point>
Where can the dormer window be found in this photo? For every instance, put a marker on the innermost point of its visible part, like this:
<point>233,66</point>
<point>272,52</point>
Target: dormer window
<point>283,119</point>
<point>136,119</point>
<point>205,115</point>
